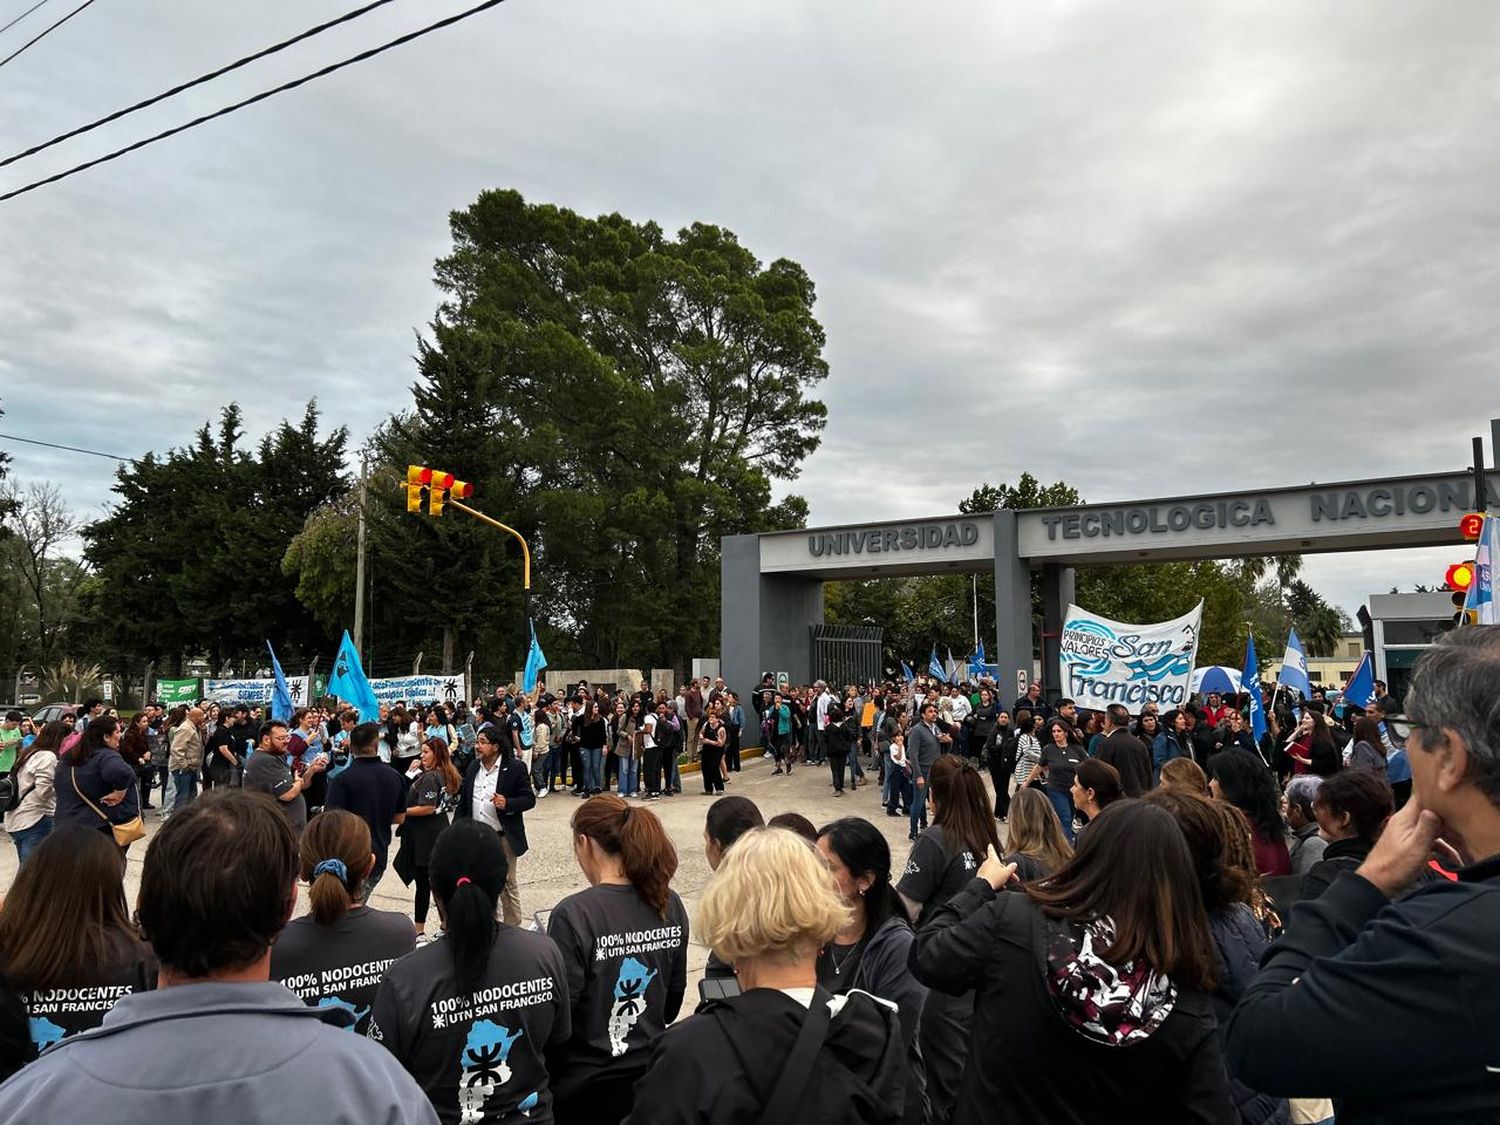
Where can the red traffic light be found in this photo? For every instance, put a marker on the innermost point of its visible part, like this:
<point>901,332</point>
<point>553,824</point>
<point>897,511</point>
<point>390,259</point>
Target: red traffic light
<point>442,480</point>
<point>461,490</point>
<point>418,474</point>
<point>1460,576</point>
<point>1471,527</point>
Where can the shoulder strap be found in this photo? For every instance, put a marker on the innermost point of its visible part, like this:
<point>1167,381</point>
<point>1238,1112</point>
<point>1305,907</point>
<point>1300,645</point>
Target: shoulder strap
<point>798,1068</point>
<point>73,776</point>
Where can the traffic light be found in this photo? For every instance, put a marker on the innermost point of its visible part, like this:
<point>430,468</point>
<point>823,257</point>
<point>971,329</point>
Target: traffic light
<point>417,478</point>
<point>437,492</point>
<point>461,490</point>
<point>1471,527</point>
<point>1460,577</point>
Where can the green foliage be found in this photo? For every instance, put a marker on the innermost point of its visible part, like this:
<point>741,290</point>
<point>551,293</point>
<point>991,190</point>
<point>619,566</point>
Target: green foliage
<point>623,399</point>
<point>189,558</point>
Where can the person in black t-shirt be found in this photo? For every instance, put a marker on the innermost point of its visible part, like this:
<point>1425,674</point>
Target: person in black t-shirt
<point>373,791</point>
<point>942,862</point>
<point>335,957</point>
<point>66,939</point>
<point>470,1015</point>
<point>624,942</point>
<point>1061,757</point>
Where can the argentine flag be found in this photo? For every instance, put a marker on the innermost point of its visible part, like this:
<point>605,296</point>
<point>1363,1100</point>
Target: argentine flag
<point>1294,667</point>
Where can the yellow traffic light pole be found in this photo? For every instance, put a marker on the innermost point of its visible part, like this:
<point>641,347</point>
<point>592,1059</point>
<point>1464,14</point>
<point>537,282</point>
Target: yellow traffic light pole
<point>440,487</point>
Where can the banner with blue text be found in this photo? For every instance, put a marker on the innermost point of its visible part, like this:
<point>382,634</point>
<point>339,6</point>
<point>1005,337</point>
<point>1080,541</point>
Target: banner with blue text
<point>1103,661</point>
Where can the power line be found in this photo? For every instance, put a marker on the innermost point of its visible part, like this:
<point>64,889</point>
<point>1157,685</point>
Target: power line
<point>44,32</point>
<point>22,16</point>
<point>69,448</point>
<point>202,78</point>
<point>285,86</point>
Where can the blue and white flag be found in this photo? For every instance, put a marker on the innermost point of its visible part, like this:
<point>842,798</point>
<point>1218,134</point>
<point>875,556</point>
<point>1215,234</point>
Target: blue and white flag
<point>1481,599</point>
<point>350,684</point>
<point>281,694</point>
<point>935,666</point>
<point>535,662</point>
<point>1294,667</point>
<point>1250,682</point>
<point>1361,685</point>
<point>976,662</point>
<point>907,672</point>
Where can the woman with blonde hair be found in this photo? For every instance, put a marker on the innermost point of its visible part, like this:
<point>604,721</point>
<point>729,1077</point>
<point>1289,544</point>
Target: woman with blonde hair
<point>1184,773</point>
<point>1037,845</point>
<point>769,909</point>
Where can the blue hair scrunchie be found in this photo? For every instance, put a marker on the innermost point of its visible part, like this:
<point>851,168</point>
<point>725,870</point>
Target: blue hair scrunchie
<point>332,867</point>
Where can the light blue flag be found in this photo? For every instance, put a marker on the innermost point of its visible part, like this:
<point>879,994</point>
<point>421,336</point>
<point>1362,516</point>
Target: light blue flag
<point>952,676</point>
<point>1294,667</point>
<point>1250,682</point>
<point>1482,596</point>
<point>535,662</point>
<point>935,666</point>
<point>1361,685</point>
<point>349,683</point>
<point>976,662</point>
<point>907,672</point>
<point>281,695</point>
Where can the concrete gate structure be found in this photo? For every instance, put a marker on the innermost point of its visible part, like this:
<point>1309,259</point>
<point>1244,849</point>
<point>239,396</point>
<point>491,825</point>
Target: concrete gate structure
<point>772,585</point>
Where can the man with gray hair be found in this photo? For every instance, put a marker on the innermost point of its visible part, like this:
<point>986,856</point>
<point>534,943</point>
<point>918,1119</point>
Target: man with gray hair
<point>1390,995</point>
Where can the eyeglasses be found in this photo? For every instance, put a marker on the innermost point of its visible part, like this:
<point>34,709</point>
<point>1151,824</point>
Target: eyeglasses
<point>1401,727</point>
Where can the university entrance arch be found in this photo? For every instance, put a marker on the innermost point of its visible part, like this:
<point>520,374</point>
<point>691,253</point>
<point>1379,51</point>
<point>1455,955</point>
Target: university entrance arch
<point>772,585</point>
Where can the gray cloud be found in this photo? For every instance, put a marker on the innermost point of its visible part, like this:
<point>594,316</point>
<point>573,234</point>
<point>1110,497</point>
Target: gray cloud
<point>1147,248</point>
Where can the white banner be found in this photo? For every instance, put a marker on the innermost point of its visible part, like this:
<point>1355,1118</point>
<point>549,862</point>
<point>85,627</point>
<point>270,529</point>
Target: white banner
<point>422,689</point>
<point>254,691</point>
<point>1103,661</point>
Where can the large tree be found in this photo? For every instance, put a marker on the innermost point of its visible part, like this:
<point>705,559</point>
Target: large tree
<point>622,397</point>
<point>189,558</point>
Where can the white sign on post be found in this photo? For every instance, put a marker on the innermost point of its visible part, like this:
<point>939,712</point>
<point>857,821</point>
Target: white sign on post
<point>1103,661</point>
<point>1020,682</point>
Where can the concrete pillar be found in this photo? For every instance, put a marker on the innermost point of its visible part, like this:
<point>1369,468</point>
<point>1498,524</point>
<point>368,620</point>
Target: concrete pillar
<point>1012,608</point>
<point>1058,584</point>
<point>765,623</point>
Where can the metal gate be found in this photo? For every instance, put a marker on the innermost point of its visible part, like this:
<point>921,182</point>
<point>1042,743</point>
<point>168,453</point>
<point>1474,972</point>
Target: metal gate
<point>847,654</point>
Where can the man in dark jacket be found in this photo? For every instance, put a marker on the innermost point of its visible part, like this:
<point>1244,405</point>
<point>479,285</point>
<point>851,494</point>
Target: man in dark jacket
<point>1391,995</point>
<point>1124,751</point>
<point>497,791</point>
<point>373,791</point>
<point>923,746</point>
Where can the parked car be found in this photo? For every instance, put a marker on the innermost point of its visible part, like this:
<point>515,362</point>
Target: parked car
<point>54,711</point>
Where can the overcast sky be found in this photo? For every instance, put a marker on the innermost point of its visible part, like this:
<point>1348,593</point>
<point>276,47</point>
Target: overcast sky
<point>1149,248</point>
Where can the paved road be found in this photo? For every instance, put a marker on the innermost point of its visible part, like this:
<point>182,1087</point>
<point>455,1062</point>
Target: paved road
<point>549,872</point>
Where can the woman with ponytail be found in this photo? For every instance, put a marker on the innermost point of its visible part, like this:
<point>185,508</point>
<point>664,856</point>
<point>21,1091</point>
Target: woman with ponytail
<point>428,802</point>
<point>333,957</point>
<point>471,1014</point>
<point>624,941</point>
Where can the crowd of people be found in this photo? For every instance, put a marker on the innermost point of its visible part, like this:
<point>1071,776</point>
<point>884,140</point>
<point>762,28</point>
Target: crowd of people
<point>1157,916</point>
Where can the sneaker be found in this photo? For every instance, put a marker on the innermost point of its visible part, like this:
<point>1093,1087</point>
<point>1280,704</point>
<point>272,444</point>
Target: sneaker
<point>768,755</point>
<point>911,835</point>
<point>542,792</point>
<point>423,939</point>
<point>776,771</point>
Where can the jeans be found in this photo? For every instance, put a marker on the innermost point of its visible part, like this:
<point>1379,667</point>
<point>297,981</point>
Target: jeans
<point>674,776</point>
<point>1062,802</point>
<point>375,873</point>
<point>630,771</point>
<point>186,786</point>
<point>918,806</point>
<point>593,768</point>
<point>856,771</point>
<point>27,839</point>
<point>164,773</point>
<point>897,788</point>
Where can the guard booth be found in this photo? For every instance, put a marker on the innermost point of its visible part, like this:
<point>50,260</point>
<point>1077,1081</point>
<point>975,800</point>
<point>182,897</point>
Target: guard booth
<point>771,586</point>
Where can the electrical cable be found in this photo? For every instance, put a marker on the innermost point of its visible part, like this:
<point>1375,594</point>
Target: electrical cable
<point>202,78</point>
<point>22,16</point>
<point>44,33</point>
<point>69,448</point>
<point>285,86</point>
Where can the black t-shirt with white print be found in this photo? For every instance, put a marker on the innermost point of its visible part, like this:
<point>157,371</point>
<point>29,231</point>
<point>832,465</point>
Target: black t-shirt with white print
<point>478,1052</point>
<point>933,876</point>
<point>340,965</point>
<point>627,972</point>
<point>56,1013</point>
